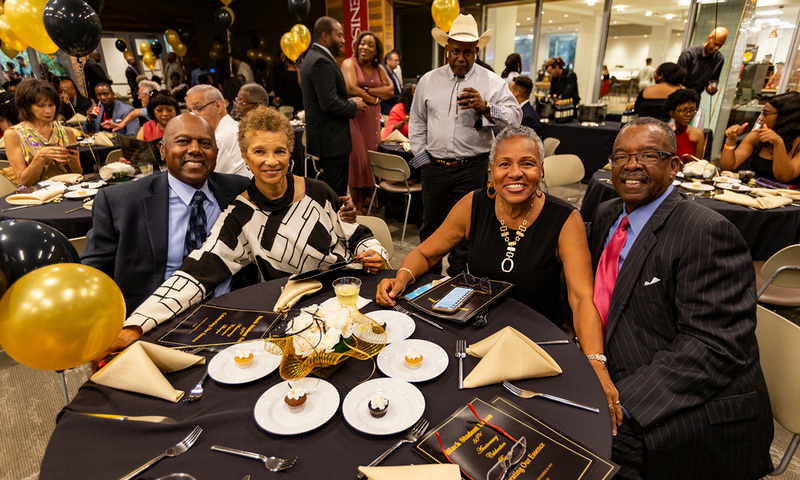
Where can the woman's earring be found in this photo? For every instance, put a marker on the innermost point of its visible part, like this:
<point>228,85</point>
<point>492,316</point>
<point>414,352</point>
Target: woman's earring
<point>490,191</point>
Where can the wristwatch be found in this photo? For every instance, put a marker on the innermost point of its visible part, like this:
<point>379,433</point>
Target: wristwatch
<point>366,89</point>
<point>487,109</point>
<point>597,356</point>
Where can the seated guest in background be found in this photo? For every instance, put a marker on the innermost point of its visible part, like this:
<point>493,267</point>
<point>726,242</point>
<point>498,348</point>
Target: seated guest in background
<point>147,88</point>
<point>179,89</point>
<point>230,87</point>
<point>249,97</point>
<point>72,102</point>
<point>650,101</point>
<point>390,61</point>
<point>516,233</point>
<point>398,117</point>
<point>304,230</point>
<point>682,106</point>
<point>161,108</point>
<point>11,85</point>
<point>111,112</point>
<point>773,149</point>
<point>37,147</point>
<point>563,81</point>
<point>9,115</point>
<point>521,88</point>
<point>513,68</point>
<point>208,102</point>
<point>676,292</point>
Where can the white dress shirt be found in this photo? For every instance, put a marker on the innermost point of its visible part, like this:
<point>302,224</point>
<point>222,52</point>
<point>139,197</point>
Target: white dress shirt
<point>229,157</point>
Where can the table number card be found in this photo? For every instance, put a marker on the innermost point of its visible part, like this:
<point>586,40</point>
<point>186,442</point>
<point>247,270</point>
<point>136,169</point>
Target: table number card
<point>210,325</point>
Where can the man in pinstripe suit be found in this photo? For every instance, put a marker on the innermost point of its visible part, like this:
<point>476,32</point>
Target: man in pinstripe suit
<point>680,338</point>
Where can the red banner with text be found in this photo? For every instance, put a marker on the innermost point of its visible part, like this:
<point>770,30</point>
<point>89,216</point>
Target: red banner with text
<point>356,20</point>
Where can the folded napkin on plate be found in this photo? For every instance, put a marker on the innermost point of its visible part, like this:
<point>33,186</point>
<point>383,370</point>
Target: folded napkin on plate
<point>88,205</point>
<point>67,178</point>
<point>293,291</point>
<point>139,369</point>
<point>794,195</point>
<point>102,139</point>
<point>77,118</point>
<point>508,355</point>
<point>417,472</point>
<point>38,197</point>
<point>396,137</point>
<point>761,203</point>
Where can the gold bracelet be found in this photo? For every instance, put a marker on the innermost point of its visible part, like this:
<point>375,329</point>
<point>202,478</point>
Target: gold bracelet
<point>413,278</point>
<point>729,147</point>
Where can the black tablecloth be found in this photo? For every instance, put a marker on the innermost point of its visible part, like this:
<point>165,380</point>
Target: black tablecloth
<point>74,224</point>
<point>89,447</point>
<point>90,156</point>
<point>765,231</point>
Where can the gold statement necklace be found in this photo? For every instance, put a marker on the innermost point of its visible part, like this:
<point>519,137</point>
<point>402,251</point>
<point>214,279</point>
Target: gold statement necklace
<point>511,247</point>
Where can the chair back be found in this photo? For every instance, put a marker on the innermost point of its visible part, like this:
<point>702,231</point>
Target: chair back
<point>6,186</point>
<point>788,260</point>
<point>113,156</point>
<point>778,339</point>
<point>389,167</point>
<point>562,170</point>
<point>79,243</point>
<point>287,111</point>
<point>5,164</point>
<point>550,145</point>
<point>379,230</point>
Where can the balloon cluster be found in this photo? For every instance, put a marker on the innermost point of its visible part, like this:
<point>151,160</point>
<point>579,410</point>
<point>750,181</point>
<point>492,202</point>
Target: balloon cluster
<point>178,40</point>
<point>258,53</point>
<point>218,50</point>
<point>444,12</point>
<point>295,41</point>
<point>122,46</point>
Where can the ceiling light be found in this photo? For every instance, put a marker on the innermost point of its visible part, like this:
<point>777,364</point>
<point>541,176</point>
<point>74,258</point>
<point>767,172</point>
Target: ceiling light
<point>614,22</point>
<point>616,38</point>
<point>528,19</point>
<point>787,26</point>
<point>645,36</point>
<point>549,21</point>
<point>518,24</point>
<point>767,20</point>
<point>685,21</point>
<point>566,15</point>
<point>711,1</point>
<point>648,13</point>
<point>620,8</point>
<point>669,16</point>
<point>559,28</point>
<point>764,13</point>
<point>590,3</point>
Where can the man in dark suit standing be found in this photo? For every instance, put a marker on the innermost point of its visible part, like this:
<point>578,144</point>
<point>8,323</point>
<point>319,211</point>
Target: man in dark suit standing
<point>675,288</point>
<point>130,75</point>
<point>390,62</point>
<point>521,88</point>
<point>328,109</point>
<point>94,74</point>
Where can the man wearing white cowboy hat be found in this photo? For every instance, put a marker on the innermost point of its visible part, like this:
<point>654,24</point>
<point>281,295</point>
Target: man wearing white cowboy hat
<point>450,126</point>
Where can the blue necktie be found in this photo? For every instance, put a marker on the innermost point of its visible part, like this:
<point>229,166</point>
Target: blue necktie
<point>196,230</point>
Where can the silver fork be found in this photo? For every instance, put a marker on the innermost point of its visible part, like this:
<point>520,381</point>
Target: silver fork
<point>461,353</point>
<point>520,392</point>
<point>410,437</point>
<point>273,464</point>
<point>197,391</point>
<point>412,314</point>
<point>178,449</point>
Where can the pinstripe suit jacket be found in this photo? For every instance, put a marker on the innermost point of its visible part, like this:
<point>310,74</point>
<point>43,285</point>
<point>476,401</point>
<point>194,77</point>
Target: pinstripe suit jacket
<point>681,345</point>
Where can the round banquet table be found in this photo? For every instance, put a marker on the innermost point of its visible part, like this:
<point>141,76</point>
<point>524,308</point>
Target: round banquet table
<point>98,448</point>
<point>73,224</point>
<point>89,155</point>
<point>764,231</point>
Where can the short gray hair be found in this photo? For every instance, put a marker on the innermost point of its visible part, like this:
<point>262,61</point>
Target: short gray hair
<point>209,92</point>
<point>258,92</point>
<point>644,121</point>
<point>149,86</point>
<point>516,131</point>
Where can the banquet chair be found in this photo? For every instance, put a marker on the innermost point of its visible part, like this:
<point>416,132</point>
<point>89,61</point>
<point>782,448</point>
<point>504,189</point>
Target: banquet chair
<point>777,341</point>
<point>393,174</point>
<point>287,111</point>
<point>6,186</point>
<point>79,243</point>
<point>5,164</point>
<point>562,170</point>
<point>380,230</point>
<point>550,145</point>
<point>311,158</point>
<point>778,279</point>
<point>114,156</point>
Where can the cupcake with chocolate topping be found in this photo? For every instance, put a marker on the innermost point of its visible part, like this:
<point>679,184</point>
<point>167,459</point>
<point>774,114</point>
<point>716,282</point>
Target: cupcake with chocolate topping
<point>296,400</point>
<point>378,406</point>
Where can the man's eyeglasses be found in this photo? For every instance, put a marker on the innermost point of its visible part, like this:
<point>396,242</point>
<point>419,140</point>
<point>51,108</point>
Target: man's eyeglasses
<point>642,158</point>
<point>239,102</point>
<point>480,284</point>
<point>200,109</point>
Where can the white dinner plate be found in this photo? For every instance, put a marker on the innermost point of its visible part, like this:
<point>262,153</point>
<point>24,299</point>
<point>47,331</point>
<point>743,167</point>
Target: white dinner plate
<point>223,368</point>
<point>734,187</point>
<point>697,187</point>
<point>729,180</point>
<point>273,415</point>
<point>398,325</point>
<point>677,183</point>
<point>81,193</point>
<point>392,362</point>
<point>406,406</point>
<point>85,185</point>
<point>680,175</point>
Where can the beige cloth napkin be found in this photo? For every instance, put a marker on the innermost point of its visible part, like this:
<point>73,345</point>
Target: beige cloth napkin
<point>77,118</point>
<point>294,291</point>
<point>102,139</point>
<point>761,203</point>
<point>67,178</point>
<point>88,205</point>
<point>508,355</point>
<point>38,197</point>
<point>794,195</point>
<point>396,137</point>
<point>139,369</point>
<point>415,472</point>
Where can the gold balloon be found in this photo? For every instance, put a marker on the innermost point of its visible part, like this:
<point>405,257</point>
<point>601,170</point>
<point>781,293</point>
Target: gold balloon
<point>214,55</point>
<point>179,49</point>
<point>291,46</point>
<point>2,9</point>
<point>60,316</point>
<point>128,54</point>
<point>267,58</point>
<point>219,47</point>
<point>226,2</point>
<point>10,52</point>
<point>172,37</point>
<point>303,34</point>
<point>233,17</point>
<point>149,60</point>
<point>25,18</point>
<point>144,48</point>
<point>444,12</point>
<point>9,37</point>
<point>252,54</point>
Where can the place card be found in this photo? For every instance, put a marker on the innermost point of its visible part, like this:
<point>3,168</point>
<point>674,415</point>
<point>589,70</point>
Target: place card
<point>209,325</point>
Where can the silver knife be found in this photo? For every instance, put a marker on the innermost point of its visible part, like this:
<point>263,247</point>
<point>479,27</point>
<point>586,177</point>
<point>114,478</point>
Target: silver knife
<point>150,418</point>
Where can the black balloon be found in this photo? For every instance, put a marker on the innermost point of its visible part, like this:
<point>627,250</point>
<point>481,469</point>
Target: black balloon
<point>120,45</point>
<point>4,271</point>
<point>73,26</point>
<point>300,8</point>
<point>30,245</point>
<point>217,38</point>
<point>97,5</point>
<point>261,64</point>
<point>255,41</point>
<point>223,18</point>
<point>156,48</point>
<point>186,37</point>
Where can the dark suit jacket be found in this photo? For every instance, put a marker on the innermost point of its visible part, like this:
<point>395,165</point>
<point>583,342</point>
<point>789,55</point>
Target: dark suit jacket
<point>530,119</point>
<point>94,74</point>
<point>128,240</point>
<point>80,105</point>
<point>682,349</point>
<point>328,110</point>
<point>130,75</point>
<point>386,105</point>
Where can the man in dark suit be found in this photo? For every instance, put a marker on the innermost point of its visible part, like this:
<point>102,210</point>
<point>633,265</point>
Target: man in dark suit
<point>328,109</point>
<point>521,88</point>
<point>130,75</point>
<point>390,62</point>
<point>94,74</point>
<point>73,102</point>
<point>675,288</point>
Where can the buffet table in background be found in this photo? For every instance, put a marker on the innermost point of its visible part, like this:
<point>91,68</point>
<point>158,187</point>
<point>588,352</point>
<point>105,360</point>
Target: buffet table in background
<point>99,448</point>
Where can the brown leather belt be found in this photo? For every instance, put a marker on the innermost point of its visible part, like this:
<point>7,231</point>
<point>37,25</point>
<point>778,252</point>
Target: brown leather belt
<point>453,163</point>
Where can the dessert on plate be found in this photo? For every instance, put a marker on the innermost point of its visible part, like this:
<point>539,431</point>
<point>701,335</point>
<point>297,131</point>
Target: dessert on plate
<point>296,400</point>
<point>243,358</point>
<point>378,406</point>
<point>413,358</point>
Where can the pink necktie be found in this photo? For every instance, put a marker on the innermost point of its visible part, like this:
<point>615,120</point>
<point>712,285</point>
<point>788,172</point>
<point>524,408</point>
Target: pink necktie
<point>608,269</point>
